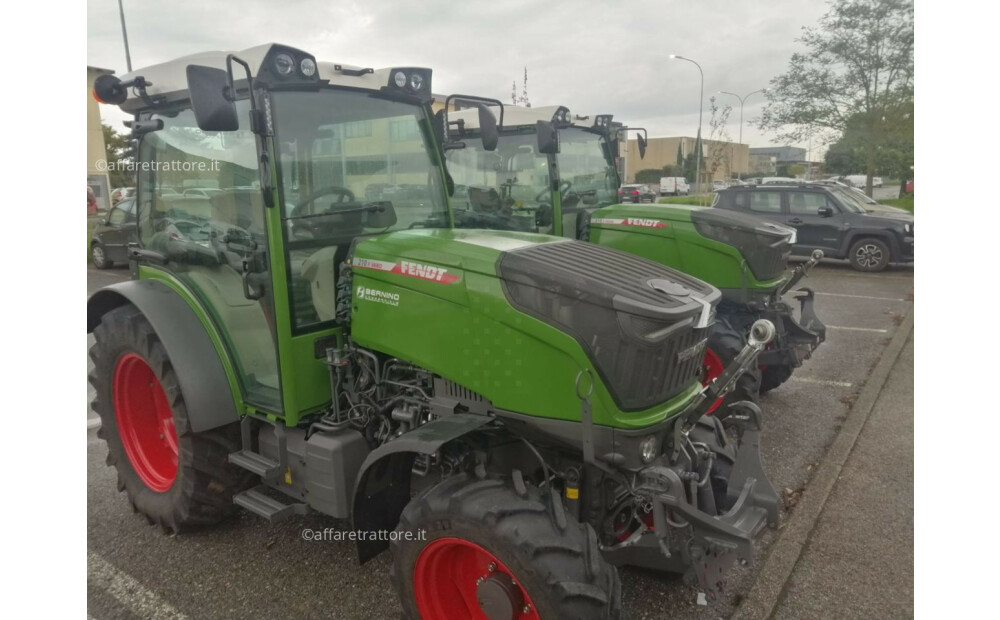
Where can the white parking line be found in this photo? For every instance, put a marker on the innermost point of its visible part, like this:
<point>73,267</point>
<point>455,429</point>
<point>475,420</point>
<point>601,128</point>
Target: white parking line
<point>127,591</point>
<point>821,381</point>
<point>859,329</point>
<point>861,296</point>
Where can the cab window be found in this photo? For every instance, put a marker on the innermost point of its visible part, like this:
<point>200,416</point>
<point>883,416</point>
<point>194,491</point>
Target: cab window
<point>806,203</point>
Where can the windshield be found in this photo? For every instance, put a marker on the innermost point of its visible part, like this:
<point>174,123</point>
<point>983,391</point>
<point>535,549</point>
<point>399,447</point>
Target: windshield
<point>504,189</point>
<point>351,164</point>
<point>584,165</point>
<point>847,198</point>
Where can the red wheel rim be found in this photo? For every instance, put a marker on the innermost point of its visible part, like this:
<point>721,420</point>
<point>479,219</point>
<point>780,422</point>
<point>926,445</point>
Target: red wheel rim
<point>713,368</point>
<point>145,422</point>
<point>446,581</point>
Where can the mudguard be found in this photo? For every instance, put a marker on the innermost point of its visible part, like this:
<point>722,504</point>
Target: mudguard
<point>383,484</point>
<point>204,384</point>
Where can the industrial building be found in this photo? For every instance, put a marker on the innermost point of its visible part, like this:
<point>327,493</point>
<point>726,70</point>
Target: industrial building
<point>722,160</point>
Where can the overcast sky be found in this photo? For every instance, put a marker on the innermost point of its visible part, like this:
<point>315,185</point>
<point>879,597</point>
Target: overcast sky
<point>593,57</point>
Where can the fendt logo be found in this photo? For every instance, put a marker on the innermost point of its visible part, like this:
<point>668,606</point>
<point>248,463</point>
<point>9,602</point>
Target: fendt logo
<point>697,350</point>
<point>629,221</point>
<point>409,269</point>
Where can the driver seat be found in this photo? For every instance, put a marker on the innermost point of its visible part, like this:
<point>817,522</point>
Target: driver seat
<point>320,269</point>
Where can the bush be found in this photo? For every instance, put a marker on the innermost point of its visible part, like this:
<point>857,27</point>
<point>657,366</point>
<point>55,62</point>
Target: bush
<point>702,200</point>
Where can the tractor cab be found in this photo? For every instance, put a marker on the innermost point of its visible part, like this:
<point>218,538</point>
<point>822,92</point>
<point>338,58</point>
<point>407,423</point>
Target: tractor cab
<point>550,169</point>
<point>252,204</point>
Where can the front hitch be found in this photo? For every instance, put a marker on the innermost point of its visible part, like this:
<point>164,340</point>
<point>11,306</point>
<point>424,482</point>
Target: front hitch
<point>801,271</point>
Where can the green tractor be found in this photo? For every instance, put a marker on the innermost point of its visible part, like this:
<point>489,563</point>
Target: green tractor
<point>554,172</point>
<point>512,414</point>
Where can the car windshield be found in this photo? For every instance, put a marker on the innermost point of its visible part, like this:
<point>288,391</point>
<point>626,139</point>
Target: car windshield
<point>850,202</point>
<point>503,189</point>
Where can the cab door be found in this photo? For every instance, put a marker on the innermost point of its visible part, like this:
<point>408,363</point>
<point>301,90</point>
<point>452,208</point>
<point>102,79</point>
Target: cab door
<point>215,242</point>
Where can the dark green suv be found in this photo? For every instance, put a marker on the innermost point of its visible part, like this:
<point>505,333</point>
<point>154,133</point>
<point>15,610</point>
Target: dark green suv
<point>830,219</point>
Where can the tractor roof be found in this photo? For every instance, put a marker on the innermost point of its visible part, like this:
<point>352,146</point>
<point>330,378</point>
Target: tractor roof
<point>169,79</point>
<point>520,116</point>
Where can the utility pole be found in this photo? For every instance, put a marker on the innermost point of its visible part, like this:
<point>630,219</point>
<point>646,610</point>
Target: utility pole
<point>742,101</point>
<point>128,57</point>
<point>701,106</point>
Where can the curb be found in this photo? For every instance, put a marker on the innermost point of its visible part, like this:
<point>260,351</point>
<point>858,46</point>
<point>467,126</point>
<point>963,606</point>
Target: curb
<point>784,554</point>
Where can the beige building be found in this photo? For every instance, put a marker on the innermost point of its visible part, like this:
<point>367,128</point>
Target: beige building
<point>97,179</point>
<point>722,159</point>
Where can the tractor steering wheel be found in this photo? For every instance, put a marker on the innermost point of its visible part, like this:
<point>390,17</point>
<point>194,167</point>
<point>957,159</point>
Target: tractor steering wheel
<point>309,226</point>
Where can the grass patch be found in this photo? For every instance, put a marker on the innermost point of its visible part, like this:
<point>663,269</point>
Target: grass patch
<point>902,203</point>
<point>701,199</point>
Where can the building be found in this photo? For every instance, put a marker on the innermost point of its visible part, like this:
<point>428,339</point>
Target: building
<point>782,154</point>
<point>97,176</point>
<point>722,160</point>
<point>763,164</point>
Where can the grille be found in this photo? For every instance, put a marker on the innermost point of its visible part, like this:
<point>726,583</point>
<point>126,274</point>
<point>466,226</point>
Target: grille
<point>766,253</point>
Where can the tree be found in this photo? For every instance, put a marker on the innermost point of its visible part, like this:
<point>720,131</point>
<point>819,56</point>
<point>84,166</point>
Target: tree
<point>649,175</point>
<point>118,148</point>
<point>856,75</point>
<point>720,144</point>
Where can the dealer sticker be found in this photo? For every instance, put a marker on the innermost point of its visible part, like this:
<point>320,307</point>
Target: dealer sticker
<point>366,293</point>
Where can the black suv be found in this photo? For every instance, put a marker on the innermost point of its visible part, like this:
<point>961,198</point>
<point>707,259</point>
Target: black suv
<point>636,193</point>
<point>829,218</point>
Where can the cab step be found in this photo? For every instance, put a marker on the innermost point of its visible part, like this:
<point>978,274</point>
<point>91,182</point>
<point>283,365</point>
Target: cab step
<point>257,463</point>
<point>258,502</point>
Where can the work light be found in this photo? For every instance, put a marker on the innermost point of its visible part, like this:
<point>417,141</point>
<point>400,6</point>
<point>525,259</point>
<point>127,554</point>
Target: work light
<point>416,81</point>
<point>648,448</point>
<point>400,79</point>
<point>284,65</point>
<point>308,67</point>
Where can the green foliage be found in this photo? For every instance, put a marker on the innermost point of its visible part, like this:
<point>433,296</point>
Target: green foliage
<point>118,147</point>
<point>853,84</point>
<point>649,175</point>
<point>903,203</point>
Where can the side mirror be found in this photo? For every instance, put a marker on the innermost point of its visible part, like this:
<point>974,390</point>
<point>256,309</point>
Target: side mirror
<point>380,214</point>
<point>642,146</point>
<point>213,109</point>
<point>548,138</point>
<point>103,221</point>
<point>488,128</point>
<point>825,212</point>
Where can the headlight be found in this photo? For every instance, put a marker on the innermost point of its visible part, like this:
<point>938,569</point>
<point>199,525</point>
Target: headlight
<point>284,65</point>
<point>648,448</point>
<point>308,67</point>
<point>416,81</point>
<point>908,229</point>
<point>400,79</point>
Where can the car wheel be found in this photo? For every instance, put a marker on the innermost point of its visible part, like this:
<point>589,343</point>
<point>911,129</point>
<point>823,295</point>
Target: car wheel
<point>99,257</point>
<point>869,254</point>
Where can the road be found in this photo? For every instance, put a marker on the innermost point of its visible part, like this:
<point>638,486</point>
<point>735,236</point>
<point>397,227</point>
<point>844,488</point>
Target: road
<point>249,568</point>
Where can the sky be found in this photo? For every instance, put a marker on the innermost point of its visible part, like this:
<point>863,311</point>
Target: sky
<point>593,57</point>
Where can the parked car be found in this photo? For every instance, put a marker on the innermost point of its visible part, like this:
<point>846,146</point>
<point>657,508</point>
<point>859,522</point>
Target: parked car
<point>773,180</point>
<point>909,187</point>
<point>828,218</point>
<point>113,233</point>
<point>717,185</point>
<point>674,186</point>
<point>876,181</point>
<point>636,193</point>
<point>121,193</point>
<point>200,192</point>
<point>867,202</point>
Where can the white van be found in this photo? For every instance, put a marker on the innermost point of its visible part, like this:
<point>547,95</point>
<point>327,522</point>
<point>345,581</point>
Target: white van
<point>674,186</point>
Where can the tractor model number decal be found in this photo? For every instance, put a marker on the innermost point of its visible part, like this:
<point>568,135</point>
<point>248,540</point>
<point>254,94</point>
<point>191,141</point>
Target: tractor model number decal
<point>629,221</point>
<point>365,293</point>
<point>410,269</point>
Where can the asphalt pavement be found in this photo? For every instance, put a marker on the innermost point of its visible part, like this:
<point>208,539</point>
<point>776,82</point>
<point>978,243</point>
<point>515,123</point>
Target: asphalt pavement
<point>249,568</point>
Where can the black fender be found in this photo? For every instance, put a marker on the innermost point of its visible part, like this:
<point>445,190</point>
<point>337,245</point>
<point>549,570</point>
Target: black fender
<point>200,372</point>
<point>383,484</point>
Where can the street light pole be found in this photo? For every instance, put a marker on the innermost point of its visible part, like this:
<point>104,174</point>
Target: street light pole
<point>128,57</point>
<point>742,101</point>
<point>701,107</point>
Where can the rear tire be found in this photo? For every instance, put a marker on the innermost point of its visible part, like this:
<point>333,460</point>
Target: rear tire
<point>175,477</point>
<point>869,254</point>
<point>725,343</point>
<point>555,562</point>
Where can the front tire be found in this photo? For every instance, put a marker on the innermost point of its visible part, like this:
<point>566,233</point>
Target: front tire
<point>99,256</point>
<point>501,548</point>
<point>177,478</point>
<point>869,255</point>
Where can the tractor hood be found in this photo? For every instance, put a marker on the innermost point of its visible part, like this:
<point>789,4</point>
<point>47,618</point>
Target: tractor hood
<point>642,325</point>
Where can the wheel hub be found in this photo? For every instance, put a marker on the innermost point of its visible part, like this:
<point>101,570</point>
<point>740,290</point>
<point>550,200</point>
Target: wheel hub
<point>713,368</point>
<point>145,422</point>
<point>869,255</point>
<point>499,597</point>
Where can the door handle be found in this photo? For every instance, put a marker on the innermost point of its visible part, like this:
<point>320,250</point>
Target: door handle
<point>795,220</point>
